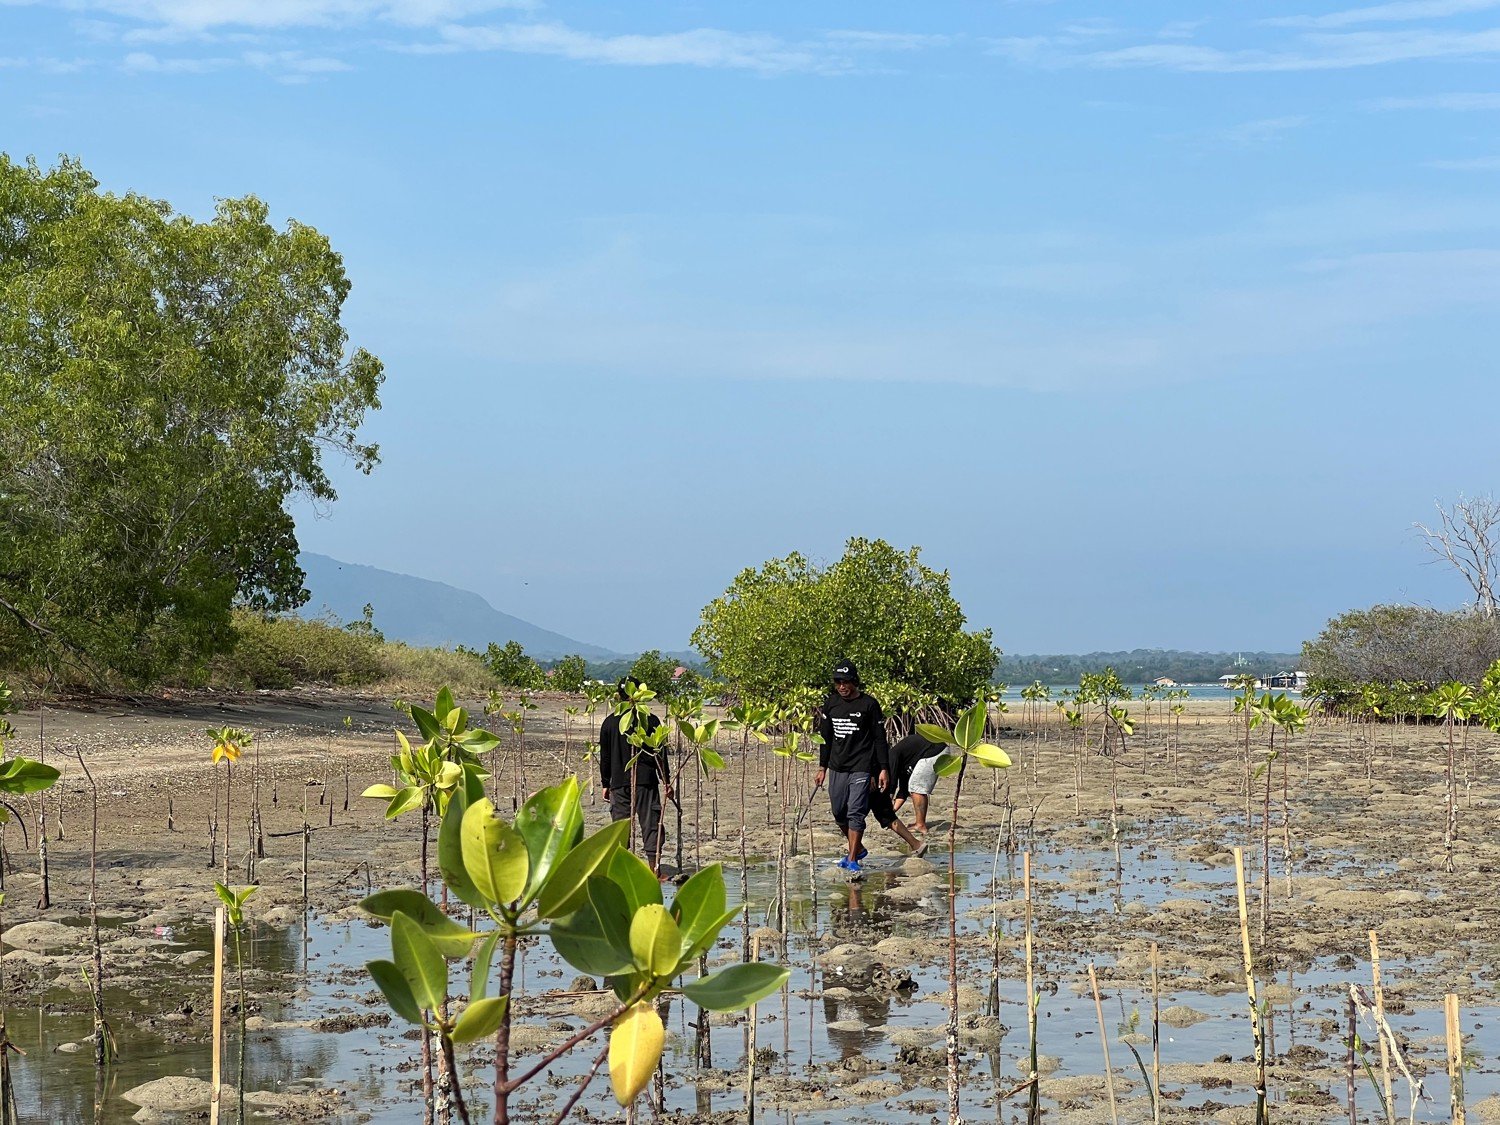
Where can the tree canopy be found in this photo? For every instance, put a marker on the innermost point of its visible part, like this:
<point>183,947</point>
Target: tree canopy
<point>1402,644</point>
<point>166,385</point>
<point>513,668</point>
<point>778,629</point>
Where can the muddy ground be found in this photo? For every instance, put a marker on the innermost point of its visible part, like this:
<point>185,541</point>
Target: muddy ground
<point>1366,812</point>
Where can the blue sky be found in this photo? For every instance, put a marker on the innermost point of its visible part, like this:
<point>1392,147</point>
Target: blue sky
<point>1157,324</point>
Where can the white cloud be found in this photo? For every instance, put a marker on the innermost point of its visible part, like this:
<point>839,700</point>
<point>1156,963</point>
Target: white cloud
<point>1316,46</point>
<point>699,47</point>
<point>887,40</point>
<point>143,62</point>
<point>1459,102</point>
<point>293,63</point>
<point>618,312</point>
<point>1400,11</point>
<point>195,16</point>
<point>46,64</point>
<point>1180,29</point>
<point>287,66</point>
<point>1475,164</point>
<point>1263,130</point>
<point>1315,52</point>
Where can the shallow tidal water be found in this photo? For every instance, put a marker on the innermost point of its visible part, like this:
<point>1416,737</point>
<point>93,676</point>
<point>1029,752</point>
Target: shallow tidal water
<point>820,1058</point>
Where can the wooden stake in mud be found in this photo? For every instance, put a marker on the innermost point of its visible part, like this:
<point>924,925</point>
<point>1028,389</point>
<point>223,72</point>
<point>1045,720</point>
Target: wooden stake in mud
<point>1109,1074</point>
<point>44,900</point>
<point>1033,1098</point>
<point>750,1046</point>
<point>1155,1033</point>
<point>1349,1065</point>
<point>1457,1115</point>
<point>1255,1028</point>
<point>1385,1051</point>
<point>218,1028</point>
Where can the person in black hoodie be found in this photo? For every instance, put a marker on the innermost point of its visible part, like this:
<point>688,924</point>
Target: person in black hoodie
<point>615,753</point>
<point>853,758</point>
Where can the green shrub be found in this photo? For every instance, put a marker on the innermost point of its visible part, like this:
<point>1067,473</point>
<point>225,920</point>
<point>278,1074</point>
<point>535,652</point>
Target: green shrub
<point>419,672</point>
<point>513,668</point>
<point>287,652</point>
<point>568,674</point>
<point>282,652</point>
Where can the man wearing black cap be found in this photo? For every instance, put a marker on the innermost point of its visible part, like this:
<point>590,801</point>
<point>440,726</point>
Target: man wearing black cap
<point>853,757</point>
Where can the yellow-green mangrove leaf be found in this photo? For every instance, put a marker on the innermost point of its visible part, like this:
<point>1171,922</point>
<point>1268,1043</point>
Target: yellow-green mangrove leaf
<point>479,1020</point>
<point>737,987</point>
<point>567,886</point>
<point>452,940</point>
<point>494,854</point>
<point>992,756</point>
<point>396,991</point>
<point>419,962</point>
<point>947,765</point>
<point>635,1044</point>
<point>655,941</point>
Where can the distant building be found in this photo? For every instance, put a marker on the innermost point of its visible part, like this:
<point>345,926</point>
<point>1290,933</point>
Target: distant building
<point>1288,681</point>
<point>1231,682</point>
<point>1163,681</point>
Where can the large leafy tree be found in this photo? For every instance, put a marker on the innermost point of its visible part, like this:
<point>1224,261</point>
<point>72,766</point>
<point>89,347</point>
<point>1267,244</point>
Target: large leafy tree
<point>165,386</point>
<point>779,628</point>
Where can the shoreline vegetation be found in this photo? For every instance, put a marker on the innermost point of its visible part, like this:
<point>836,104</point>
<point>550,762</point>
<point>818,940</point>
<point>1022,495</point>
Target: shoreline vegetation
<point>285,652</point>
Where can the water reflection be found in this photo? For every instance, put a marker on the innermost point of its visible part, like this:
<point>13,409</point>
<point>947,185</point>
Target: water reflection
<point>163,1027</point>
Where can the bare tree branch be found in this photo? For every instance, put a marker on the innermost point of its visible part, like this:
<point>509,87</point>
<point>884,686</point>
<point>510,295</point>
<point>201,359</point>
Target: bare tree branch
<point>1468,539</point>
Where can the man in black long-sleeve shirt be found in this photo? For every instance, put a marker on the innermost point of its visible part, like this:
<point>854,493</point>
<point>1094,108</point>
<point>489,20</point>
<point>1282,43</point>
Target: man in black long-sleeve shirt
<point>853,757</point>
<point>615,754</point>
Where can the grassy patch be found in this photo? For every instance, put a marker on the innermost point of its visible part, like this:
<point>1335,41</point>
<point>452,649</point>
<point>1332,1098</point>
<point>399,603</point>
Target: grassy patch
<point>285,652</point>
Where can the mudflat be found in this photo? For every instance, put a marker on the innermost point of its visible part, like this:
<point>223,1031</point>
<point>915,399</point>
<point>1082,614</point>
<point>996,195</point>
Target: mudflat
<point>1128,851</point>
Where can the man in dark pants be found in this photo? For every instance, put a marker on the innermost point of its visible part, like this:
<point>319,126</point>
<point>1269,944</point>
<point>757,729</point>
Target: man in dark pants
<point>615,754</point>
<point>906,755</point>
<point>852,758</point>
<point>913,762</point>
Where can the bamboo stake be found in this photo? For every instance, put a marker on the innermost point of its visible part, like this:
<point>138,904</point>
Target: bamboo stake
<point>1457,1115</point>
<point>1255,1028</point>
<point>1109,1074</point>
<point>1385,1051</point>
<point>218,1028</point>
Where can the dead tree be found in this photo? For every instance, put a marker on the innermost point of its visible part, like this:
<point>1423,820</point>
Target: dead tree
<point>1468,539</point>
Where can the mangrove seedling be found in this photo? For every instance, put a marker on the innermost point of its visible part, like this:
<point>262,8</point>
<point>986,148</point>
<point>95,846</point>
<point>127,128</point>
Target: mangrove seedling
<point>966,741</point>
<point>234,908</point>
<point>1452,703</point>
<point>229,744</point>
<point>600,906</point>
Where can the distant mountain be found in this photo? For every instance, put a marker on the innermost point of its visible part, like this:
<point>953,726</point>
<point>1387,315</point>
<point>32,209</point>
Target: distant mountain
<point>422,612</point>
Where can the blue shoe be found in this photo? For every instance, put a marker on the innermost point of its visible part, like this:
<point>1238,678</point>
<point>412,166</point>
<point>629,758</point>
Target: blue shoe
<point>864,853</point>
<point>854,869</point>
<point>848,864</point>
